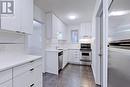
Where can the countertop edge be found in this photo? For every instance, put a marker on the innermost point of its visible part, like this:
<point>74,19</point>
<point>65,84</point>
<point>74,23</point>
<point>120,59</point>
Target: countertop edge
<point>20,63</point>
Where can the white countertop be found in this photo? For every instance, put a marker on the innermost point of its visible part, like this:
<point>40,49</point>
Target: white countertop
<point>54,50</point>
<point>11,61</point>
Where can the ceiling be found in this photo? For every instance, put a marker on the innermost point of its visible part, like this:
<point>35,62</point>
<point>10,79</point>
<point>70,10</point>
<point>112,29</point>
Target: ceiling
<point>62,8</point>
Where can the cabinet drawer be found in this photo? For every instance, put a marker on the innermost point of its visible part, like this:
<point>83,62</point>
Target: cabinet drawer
<point>36,63</point>
<point>5,75</point>
<point>21,69</point>
<point>26,67</point>
<point>37,76</point>
<point>7,84</point>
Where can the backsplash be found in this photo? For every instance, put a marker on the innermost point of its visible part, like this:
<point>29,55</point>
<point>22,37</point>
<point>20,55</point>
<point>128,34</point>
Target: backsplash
<point>11,43</point>
<point>11,37</point>
<point>12,49</point>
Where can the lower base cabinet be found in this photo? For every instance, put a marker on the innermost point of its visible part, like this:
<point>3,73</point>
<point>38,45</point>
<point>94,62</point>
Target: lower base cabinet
<point>7,84</point>
<point>25,75</point>
<point>65,58</point>
<point>37,77</point>
<point>32,76</point>
<point>23,80</point>
<point>74,56</point>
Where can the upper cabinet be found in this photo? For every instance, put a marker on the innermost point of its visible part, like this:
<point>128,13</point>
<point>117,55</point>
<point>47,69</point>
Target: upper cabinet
<point>48,25</point>
<point>85,30</point>
<point>22,18</point>
<point>56,29</point>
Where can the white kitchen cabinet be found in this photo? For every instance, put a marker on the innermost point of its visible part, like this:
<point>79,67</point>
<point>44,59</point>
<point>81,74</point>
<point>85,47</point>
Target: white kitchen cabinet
<point>74,56</point>
<point>5,75</point>
<point>55,27</point>
<point>65,58</point>
<point>85,30</point>
<point>37,76</point>
<point>52,62</point>
<point>28,75</point>
<point>48,25</point>
<point>12,22</point>
<point>21,20</point>
<point>23,80</point>
<point>27,16</point>
<point>7,84</point>
<point>29,79</point>
<point>6,78</point>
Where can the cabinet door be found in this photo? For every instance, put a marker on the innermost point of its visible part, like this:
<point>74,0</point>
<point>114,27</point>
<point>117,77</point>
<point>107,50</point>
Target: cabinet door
<point>37,76</point>
<point>5,75</point>
<point>23,80</point>
<point>12,21</point>
<point>27,16</point>
<point>70,58</point>
<point>74,56</point>
<point>65,58</point>
<point>85,30</point>
<point>49,26</point>
<point>7,84</point>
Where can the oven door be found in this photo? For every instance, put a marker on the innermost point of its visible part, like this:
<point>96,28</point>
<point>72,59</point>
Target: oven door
<point>85,58</point>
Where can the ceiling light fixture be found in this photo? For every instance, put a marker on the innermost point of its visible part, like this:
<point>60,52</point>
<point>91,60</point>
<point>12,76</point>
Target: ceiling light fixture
<point>118,13</point>
<point>72,17</point>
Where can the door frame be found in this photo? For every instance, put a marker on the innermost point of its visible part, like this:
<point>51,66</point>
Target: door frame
<point>98,40</point>
<point>103,7</point>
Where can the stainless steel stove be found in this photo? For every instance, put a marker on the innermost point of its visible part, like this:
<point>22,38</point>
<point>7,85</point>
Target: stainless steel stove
<point>86,54</point>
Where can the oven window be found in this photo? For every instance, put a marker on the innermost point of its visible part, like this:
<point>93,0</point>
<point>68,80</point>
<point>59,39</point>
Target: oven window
<point>85,54</point>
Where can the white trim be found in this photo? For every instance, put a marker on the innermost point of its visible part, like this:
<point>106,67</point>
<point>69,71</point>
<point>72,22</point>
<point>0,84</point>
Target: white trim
<point>105,38</point>
<point>95,58</point>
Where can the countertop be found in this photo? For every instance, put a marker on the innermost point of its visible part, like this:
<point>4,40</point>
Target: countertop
<point>11,61</point>
<point>53,50</point>
<point>56,50</point>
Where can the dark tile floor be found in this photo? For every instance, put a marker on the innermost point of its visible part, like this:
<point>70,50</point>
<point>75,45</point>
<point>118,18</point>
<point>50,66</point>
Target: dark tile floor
<point>71,76</point>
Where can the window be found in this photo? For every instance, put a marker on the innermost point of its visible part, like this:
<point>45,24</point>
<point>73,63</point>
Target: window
<point>74,36</point>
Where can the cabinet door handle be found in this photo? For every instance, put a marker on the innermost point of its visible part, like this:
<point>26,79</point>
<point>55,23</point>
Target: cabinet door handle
<point>32,69</point>
<point>32,85</point>
<point>31,61</point>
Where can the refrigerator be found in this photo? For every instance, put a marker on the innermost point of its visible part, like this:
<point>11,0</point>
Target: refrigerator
<point>119,44</point>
